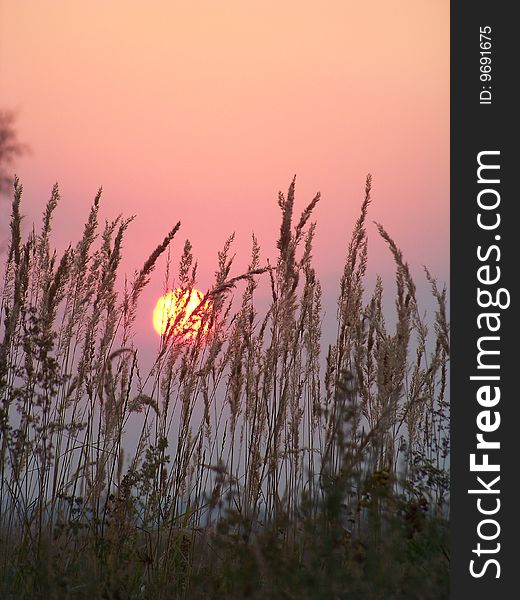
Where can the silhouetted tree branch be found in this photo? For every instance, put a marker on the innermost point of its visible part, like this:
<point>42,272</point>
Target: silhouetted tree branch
<point>10,148</point>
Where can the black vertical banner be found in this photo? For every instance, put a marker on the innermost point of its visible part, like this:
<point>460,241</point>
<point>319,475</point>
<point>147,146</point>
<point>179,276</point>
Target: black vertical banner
<point>485,358</point>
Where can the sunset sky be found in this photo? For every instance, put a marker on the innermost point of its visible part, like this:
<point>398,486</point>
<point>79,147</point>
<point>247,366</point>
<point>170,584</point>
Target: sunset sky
<point>201,111</point>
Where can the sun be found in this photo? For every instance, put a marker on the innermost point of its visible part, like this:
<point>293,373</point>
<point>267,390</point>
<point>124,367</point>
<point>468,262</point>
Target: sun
<point>174,310</point>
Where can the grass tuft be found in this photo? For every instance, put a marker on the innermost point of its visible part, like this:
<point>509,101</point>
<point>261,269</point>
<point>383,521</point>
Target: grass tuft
<point>265,465</point>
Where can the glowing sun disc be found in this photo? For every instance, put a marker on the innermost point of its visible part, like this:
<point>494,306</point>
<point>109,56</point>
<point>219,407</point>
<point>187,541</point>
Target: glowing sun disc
<point>174,310</point>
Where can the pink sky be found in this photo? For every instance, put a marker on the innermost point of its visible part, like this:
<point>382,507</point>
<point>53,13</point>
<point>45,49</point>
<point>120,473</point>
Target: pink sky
<point>201,111</point>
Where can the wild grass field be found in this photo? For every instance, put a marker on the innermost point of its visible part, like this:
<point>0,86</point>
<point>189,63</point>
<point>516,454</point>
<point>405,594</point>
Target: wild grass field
<point>266,465</point>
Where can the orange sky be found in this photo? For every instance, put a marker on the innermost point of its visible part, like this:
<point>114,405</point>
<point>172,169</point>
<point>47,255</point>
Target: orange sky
<point>201,111</point>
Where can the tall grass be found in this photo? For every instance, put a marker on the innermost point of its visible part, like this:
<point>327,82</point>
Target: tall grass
<point>264,467</point>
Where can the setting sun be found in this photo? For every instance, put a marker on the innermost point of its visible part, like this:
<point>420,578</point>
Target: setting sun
<point>175,309</point>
